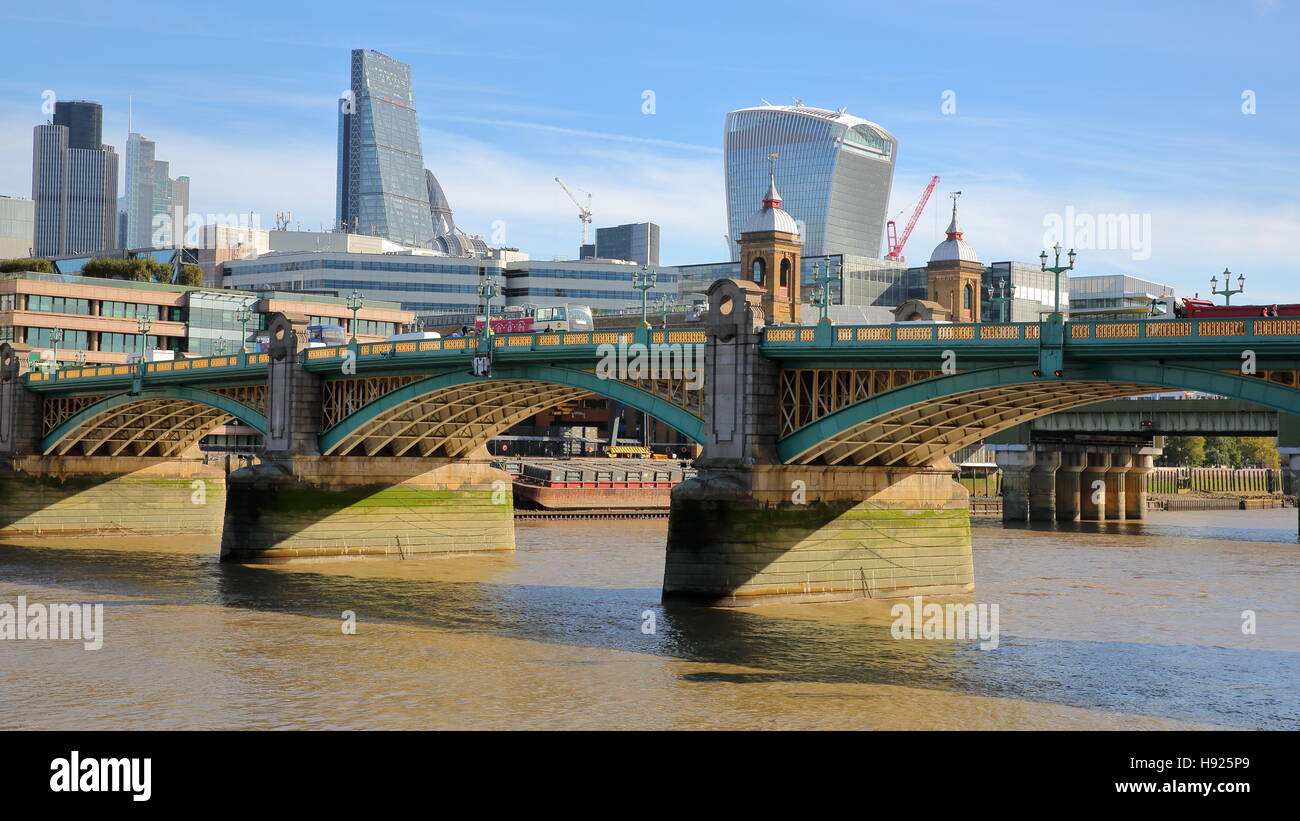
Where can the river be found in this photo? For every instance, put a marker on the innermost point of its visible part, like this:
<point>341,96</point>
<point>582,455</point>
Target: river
<point>1103,626</point>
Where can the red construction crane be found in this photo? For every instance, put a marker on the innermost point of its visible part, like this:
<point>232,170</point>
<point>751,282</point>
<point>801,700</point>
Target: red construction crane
<point>895,244</point>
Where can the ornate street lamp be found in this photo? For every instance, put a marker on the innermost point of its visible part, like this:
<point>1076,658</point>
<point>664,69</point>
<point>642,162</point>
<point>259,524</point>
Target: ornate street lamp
<point>1057,269</point>
<point>1004,296</point>
<point>663,311</point>
<point>221,347</point>
<point>56,336</point>
<point>822,292</point>
<point>355,303</point>
<point>1228,290</point>
<point>488,290</point>
<point>243,317</point>
<point>143,324</point>
<point>643,281</point>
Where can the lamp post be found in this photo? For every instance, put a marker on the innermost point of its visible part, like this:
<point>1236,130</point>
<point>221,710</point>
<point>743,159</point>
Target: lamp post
<point>244,316</point>
<point>143,323</point>
<point>822,294</point>
<point>488,289</point>
<point>1004,296</point>
<point>81,358</point>
<point>1057,269</point>
<point>663,311</point>
<point>643,281</point>
<point>1228,290</point>
<point>56,336</point>
<point>220,347</point>
<point>355,303</point>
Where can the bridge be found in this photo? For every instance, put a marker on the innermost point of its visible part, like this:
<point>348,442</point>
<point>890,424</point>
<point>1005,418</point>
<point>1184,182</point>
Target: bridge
<point>824,471</point>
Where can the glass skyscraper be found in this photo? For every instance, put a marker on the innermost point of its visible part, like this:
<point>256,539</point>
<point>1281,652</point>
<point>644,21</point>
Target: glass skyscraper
<point>74,182</point>
<point>835,172</point>
<point>381,182</point>
<point>150,194</point>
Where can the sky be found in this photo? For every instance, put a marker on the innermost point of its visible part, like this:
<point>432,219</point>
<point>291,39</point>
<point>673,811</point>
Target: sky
<point>1177,120</point>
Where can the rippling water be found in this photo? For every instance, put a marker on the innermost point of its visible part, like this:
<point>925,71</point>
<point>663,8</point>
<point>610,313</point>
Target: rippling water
<point>1122,625</point>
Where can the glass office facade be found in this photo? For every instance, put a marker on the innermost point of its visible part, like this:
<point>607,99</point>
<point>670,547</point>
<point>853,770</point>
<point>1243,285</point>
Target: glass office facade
<point>381,182</point>
<point>1035,294</point>
<point>213,317</point>
<point>1114,296</point>
<point>834,174</point>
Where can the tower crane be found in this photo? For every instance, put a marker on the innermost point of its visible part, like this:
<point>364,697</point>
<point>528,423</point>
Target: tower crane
<point>896,244</point>
<point>584,211</point>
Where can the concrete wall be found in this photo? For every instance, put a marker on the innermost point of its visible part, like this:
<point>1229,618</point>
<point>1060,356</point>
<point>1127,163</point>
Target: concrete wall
<point>359,507</point>
<point>74,496</point>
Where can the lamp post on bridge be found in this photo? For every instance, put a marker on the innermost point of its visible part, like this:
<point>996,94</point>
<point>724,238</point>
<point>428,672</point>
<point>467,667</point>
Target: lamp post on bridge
<point>663,311</point>
<point>1004,296</point>
<point>143,324</point>
<point>244,316</point>
<point>355,303</point>
<point>822,291</point>
<point>643,281</point>
<point>56,336</point>
<point>1228,290</point>
<point>1057,269</point>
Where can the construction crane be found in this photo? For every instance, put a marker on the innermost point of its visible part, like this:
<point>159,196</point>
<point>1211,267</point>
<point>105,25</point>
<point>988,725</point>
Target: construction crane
<point>584,211</point>
<point>896,244</point>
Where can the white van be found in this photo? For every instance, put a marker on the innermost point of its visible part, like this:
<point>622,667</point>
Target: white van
<point>414,337</point>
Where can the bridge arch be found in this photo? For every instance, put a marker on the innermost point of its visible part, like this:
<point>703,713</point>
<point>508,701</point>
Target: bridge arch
<point>451,414</point>
<point>160,421</point>
<point>918,423</point>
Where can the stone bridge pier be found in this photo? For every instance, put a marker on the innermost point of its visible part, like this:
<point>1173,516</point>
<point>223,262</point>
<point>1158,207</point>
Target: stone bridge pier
<point>77,495</point>
<point>298,504</point>
<point>749,529</point>
<point>1045,482</point>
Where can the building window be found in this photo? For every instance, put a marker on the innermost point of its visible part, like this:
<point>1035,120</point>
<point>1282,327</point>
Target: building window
<point>966,296</point>
<point>757,271</point>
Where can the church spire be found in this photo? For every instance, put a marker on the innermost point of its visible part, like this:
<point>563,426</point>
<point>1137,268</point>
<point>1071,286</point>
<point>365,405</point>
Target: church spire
<point>773,198</point>
<point>954,230</point>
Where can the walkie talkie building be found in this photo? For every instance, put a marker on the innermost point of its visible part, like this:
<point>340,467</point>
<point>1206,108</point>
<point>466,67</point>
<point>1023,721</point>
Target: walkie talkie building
<point>835,172</point>
<point>381,183</point>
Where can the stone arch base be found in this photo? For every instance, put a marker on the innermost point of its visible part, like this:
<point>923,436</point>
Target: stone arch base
<point>818,533</point>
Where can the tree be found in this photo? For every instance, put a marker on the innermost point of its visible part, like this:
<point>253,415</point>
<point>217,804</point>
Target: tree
<point>1184,451</point>
<point>16,266</point>
<point>191,275</point>
<point>1223,450</point>
<point>1259,451</point>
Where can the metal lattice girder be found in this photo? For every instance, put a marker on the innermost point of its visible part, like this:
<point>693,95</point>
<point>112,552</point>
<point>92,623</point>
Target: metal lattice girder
<point>157,422</point>
<point>452,413</point>
<point>919,423</point>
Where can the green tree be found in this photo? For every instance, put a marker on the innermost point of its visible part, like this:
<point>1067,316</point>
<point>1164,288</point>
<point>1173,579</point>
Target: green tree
<point>191,275</point>
<point>1224,451</point>
<point>1259,451</point>
<point>1184,451</point>
<point>17,266</point>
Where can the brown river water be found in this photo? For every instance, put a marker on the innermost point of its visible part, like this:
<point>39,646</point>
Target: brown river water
<point>1103,626</point>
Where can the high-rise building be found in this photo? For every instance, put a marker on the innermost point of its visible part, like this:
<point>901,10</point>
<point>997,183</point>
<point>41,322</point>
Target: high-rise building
<point>638,242</point>
<point>836,171</point>
<point>74,183</point>
<point>152,197</point>
<point>84,120</point>
<point>382,188</point>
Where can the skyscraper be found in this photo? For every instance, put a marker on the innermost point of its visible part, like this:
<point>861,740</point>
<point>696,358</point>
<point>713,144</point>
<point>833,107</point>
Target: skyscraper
<point>74,182</point>
<point>836,171</point>
<point>382,188</point>
<point>151,194</point>
<point>637,241</point>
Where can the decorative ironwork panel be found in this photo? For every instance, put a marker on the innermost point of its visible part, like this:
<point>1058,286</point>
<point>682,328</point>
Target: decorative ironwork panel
<point>55,410</point>
<point>342,397</point>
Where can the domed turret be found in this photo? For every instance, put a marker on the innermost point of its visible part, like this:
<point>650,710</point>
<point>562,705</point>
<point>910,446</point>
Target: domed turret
<point>954,248</point>
<point>771,217</point>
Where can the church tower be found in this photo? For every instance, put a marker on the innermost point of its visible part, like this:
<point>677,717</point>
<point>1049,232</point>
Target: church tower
<point>954,274</point>
<point>770,248</point>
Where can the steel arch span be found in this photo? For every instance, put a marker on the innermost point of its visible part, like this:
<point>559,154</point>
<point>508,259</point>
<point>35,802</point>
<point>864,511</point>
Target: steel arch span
<point>452,413</point>
<point>914,425</point>
<point>162,421</point>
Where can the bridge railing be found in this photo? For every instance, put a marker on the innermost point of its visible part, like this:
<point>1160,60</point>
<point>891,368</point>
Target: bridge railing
<point>205,363</point>
<point>530,341</point>
<point>1029,331</point>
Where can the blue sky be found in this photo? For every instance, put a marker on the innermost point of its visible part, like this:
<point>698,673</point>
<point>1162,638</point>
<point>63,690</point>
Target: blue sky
<point>1088,109</point>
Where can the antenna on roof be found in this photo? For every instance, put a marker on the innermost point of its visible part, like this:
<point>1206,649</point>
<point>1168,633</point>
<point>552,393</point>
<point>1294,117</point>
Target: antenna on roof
<point>797,101</point>
<point>765,102</point>
<point>842,110</point>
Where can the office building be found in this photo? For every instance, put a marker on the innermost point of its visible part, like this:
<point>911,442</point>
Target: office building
<point>1113,296</point>
<point>74,185</point>
<point>98,318</point>
<point>382,187</point>
<point>17,227</point>
<point>637,242</point>
<point>154,202</point>
<point>836,171</point>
